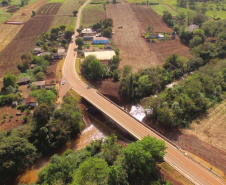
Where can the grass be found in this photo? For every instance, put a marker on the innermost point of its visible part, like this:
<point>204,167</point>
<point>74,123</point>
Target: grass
<point>162,7</point>
<point>56,1</point>
<point>174,174</point>
<point>3,17</point>
<point>75,95</point>
<point>65,15</point>
<point>92,14</point>
<point>59,68</point>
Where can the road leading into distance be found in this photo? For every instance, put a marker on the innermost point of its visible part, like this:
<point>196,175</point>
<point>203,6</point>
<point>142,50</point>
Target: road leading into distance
<point>174,157</point>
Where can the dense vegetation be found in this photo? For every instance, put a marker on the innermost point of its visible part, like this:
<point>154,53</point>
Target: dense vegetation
<point>48,129</point>
<point>105,162</point>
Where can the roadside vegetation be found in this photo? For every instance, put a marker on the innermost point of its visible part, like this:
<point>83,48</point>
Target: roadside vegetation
<point>105,162</point>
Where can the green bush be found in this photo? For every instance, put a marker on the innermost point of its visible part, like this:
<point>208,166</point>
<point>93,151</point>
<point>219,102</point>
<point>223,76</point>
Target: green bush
<point>40,76</point>
<point>24,119</point>
<point>5,115</point>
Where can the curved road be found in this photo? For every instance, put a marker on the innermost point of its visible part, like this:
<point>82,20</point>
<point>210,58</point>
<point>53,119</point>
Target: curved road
<point>175,158</point>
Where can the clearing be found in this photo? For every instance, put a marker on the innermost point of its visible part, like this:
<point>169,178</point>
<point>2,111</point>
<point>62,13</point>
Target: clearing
<point>8,32</point>
<point>92,14</point>
<point>26,38</point>
<point>65,15</point>
<point>134,50</point>
<point>148,17</point>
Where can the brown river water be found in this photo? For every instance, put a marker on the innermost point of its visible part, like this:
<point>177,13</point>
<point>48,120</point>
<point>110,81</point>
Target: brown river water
<point>96,130</point>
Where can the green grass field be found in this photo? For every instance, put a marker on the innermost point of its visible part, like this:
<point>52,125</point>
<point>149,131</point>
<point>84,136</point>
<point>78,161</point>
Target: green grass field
<point>162,7</point>
<point>65,15</point>
<point>92,14</point>
<point>56,1</point>
<point>3,17</point>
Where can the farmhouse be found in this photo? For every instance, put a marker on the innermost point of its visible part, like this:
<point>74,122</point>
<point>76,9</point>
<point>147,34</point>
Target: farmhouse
<point>39,84</point>
<point>100,40</point>
<point>88,32</point>
<point>103,56</point>
<point>24,80</point>
<point>31,102</point>
<point>108,46</point>
<point>193,27</point>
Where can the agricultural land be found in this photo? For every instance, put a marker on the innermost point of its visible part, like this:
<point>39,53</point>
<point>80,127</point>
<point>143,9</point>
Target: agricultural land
<point>92,14</point>
<point>26,38</point>
<point>9,31</point>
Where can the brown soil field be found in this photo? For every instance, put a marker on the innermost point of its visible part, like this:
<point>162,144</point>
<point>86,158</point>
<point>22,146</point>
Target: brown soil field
<point>134,50</point>
<point>148,17</point>
<point>9,124</point>
<point>26,38</point>
<point>8,32</point>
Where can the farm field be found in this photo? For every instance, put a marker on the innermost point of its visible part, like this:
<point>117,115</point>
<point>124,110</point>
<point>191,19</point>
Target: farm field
<point>134,50</point>
<point>3,16</point>
<point>26,38</point>
<point>65,15</point>
<point>8,32</point>
<point>147,17</point>
<point>92,14</point>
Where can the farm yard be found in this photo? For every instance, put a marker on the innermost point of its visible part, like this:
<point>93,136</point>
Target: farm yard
<point>162,49</point>
<point>26,38</point>
<point>92,14</point>
<point>134,50</point>
<point>8,32</point>
<point>65,15</point>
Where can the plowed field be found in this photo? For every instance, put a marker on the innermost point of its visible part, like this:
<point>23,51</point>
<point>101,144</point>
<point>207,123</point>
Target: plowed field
<point>8,32</point>
<point>147,17</point>
<point>134,50</point>
<point>26,38</point>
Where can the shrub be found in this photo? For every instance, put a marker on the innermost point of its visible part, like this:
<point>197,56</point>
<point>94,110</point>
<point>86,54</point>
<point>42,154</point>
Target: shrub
<point>40,76</point>
<point>24,119</point>
<point>5,115</point>
<point>34,87</point>
<point>27,111</point>
<point>21,107</point>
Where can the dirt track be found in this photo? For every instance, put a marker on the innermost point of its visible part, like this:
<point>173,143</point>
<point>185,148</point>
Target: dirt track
<point>134,50</point>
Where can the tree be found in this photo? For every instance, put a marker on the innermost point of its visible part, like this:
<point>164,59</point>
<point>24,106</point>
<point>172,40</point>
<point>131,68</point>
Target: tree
<point>114,1</point>
<point>75,13</point>
<point>44,96</point>
<point>62,27</point>
<point>69,31</point>
<point>107,32</point>
<point>24,2</point>
<point>40,75</point>
<point>197,40</point>
<point>33,13</point>
<point>9,80</point>
<point>108,23</point>
<point>79,31</point>
<point>93,170</point>
<point>79,42</point>
<point>96,69</point>
<point>42,114</point>
<point>4,3</point>
<point>116,74</point>
<point>114,62</point>
<point>141,157</point>
<point>16,153</point>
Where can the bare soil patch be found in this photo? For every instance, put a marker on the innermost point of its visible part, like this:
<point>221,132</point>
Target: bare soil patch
<point>26,38</point>
<point>12,9</point>
<point>13,123</point>
<point>148,17</point>
<point>134,50</point>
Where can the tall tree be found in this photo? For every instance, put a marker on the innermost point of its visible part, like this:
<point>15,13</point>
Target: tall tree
<point>9,80</point>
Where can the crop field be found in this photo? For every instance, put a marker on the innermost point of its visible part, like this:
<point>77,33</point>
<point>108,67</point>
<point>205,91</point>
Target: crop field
<point>26,38</point>
<point>92,14</point>
<point>8,32</point>
<point>64,14</point>
<point>134,50</point>
<point>147,17</point>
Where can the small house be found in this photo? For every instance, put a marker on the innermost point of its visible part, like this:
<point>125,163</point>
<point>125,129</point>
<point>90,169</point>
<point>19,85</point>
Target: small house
<point>88,32</point>
<point>32,66</point>
<point>24,80</point>
<point>100,40</point>
<point>193,27</point>
<point>14,104</point>
<point>37,50</point>
<point>31,102</point>
<point>108,46</point>
<point>88,38</point>
<point>211,39</point>
<point>153,36</point>
<point>39,84</point>
<point>61,52</point>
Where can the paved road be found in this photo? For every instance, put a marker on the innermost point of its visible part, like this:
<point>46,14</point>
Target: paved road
<point>191,170</point>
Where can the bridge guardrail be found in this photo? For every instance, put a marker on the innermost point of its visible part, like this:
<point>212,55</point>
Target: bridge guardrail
<point>163,137</point>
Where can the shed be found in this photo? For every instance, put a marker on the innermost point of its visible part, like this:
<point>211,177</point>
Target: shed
<point>39,84</point>
<point>193,27</point>
<point>107,46</point>
<point>32,66</point>
<point>24,80</point>
<point>14,103</point>
<point>31,102</point>
<point>86,38</point>
<point>101,55</point>
<point>100,40</point>
<point>44,53</point>
<point>37,50</point>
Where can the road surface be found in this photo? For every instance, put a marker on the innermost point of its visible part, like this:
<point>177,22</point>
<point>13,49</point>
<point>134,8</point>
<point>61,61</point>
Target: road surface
<point>174,157</point>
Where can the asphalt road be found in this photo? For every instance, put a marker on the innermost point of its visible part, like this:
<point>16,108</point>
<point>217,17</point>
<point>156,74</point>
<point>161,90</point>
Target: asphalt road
<point>175,158</point>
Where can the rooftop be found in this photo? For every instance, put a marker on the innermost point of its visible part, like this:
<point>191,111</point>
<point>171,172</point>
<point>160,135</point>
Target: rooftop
<point>39,83</point>
<point>193,27</point>
<point>100,38</point>
<point>24,79</point>
<point>88,30</point>
<point>31,100</point>
<point>101,55</point>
